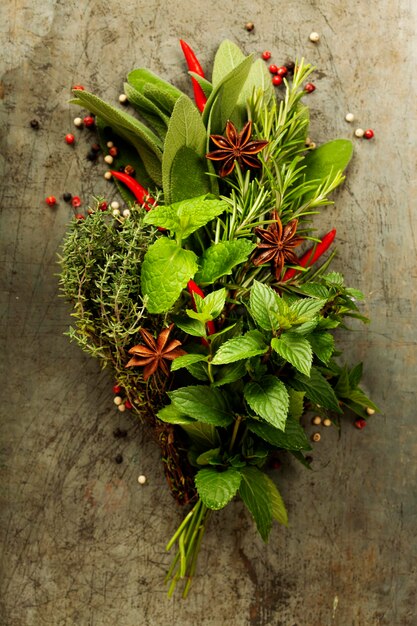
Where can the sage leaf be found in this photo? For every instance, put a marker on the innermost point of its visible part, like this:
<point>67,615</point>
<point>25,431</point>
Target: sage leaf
<point>255,492</point>
<point>228,56</point>
<point>166,270</point>
<point>215,488</point>
<point>295,349</point>
<point>219,259</point>
<point>203,403</point>
<point>159,91</point>
<point>248,345</point>
<point>327,160</point>
<point>268,397</point>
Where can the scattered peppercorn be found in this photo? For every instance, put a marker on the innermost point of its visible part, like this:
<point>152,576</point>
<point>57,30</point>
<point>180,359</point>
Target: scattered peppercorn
<point>327,422</point>
<point>370,410</point>
<point>118,458</point>
<point>290,65</point>
<point>79,216</point>
<point>282,71</point>
<point>34,124</point>
<point>89,121</point>
<point>315,437</point>
<point>69,139</point>
<point>309,88</point>
<point>359,132</point>
<point>67,197</point>
<point>129,170</point>
<point>114,205</point>
<point>51,200</point>
<point>103,207</point>
<point>91,155</point>
<point>273,68</point>
<point>123,98</point>
<point>128,404</point>
<point>277,80</point>
<point>107,175</point>
<point>117,400</point>
<point>368,134</point>
<point>276,464</point>
<point>121,408</point>
<point>76,202</point>
<point>266,55</point>
<point>314,37</point>
<point>119,433</point>
<point>349,117</point>
<point>108,159</point>
<point>249,26</point>
<point>78,122</point>
<point>79,87</point>
<point>360,423</point>
<point>126,213</point>
<point>113,151</point>
<point>95,147</point>
<point>110,144</point>
<point>316,420</point>
<point>141,479</point>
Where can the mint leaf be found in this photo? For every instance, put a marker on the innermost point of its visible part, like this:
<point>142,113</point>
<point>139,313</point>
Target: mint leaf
<point>185,360</point>
<point>293,438</point>
<point>334,279</point>
<point>279,512</point>
<point>294,349</point>
<point>209,457</point>
<point>202,435</point>
<point>269,399</point>
<point>238,348</point>
<point>306,309</point>
<point>166,270</point>
<point>359,397</point>
<point>255,492</point>
<point>355,375</point>
<point>317,389</point>
<point>203,403</point>
<point>323,346</point>
<point>190,326</point>
<point>212,305</point>
<point>184,165</point>
<point>171,415</point>
<point>163,216</point>
<point>264,306</point>
<point>229,373</point>
<point>221,258</point>
<point>216,488</point>
<point>296,408</point>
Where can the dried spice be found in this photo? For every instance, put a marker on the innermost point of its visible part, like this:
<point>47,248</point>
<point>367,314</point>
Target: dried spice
<point>156,352</point>
<point>236,147</point>
<point>277,244</point>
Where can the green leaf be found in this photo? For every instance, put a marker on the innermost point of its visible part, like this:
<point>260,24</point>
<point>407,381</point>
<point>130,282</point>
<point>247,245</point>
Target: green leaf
<point>213,303</point>
<point>255,492</point>
<point>199,371</point>
<point>269,399</point>
<point>323,346</point>
<point>264,306</point>
<point>301,458</point>
<point>238,348</point>
<point>185,360</point>
<point>216,488</point>
<point>155,116</point>
<point>184,165</point>
<point>355,375</point>
<point>229,373</point>
<point>306,309</point>
<point>141,79</point>
<point>203,403</point>
<point>334,279</point>
<point>296,407</point>
<point>219,259</point>
<point>222,101</point>
<point>202,435</point>
<point>166,270</point>
<point>354,293</point>
<point>145,141</point>
<point>187,216</point>
<point>279,512</point>
<point>317,389</point>
<point>294,349</point>
<point>206,458</point>
<point>228,56</point>
<point>205,84</point>
<point>315,290</point>
<point>359,397</point>
<point>171,415</point>
<point>293,438</point>
<point>327,160</point>
<point>190,326</point>
<point>258,80</point>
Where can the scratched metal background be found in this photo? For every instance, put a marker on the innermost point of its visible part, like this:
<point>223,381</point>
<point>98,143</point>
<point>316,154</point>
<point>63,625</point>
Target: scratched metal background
<point>83,543</point>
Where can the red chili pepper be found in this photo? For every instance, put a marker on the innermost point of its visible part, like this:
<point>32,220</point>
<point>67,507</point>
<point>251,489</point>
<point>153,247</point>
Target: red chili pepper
<point>194,288</point>
<point>141,194</point>
<point>194,66</point>
<point>312,255</point>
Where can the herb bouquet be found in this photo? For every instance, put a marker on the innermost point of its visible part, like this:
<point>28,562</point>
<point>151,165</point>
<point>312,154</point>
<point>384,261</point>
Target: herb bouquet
<point>204,295</point>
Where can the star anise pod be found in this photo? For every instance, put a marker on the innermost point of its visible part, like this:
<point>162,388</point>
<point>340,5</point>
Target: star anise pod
<point>156,352</point>
<point>236,147</point>
<point>277,244</point>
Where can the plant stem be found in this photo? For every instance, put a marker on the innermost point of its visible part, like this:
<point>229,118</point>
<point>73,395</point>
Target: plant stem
<point>235,431</point>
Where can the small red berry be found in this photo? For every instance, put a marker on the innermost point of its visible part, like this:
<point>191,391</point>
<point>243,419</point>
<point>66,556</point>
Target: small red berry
<point>266,55</point>
<point>103,207</point>
<point>282,71</point>
<point>276,80</point>
<point>76,202</point>
<point>89,121</point>
<point>273,69</point>
<point>360,423</point>
<point>309,88</point>
<point>113,151</point>
<point>117,389</point>
<point>70,139</point>
<point>80,216</point>
<point>276,465</point>
<point>128,405</point>
<point>79,87</point>
<point>368,134</point>
<point>51,200</point>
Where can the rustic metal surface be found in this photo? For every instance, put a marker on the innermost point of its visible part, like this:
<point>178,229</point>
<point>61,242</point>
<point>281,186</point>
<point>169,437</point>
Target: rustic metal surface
<point>83,543</point>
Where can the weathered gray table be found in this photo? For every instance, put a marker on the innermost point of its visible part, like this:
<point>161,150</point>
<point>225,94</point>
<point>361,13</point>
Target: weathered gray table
<point>83,543</point>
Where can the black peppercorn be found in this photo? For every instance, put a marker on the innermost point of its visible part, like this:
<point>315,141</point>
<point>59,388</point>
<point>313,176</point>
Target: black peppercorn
<point>34,124</point>
<point>290,65</point>
<point>249,26</point>
<point>95,147</point>
<point>67,197</point>
<point>91,156</point>
<point>118,458</point>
